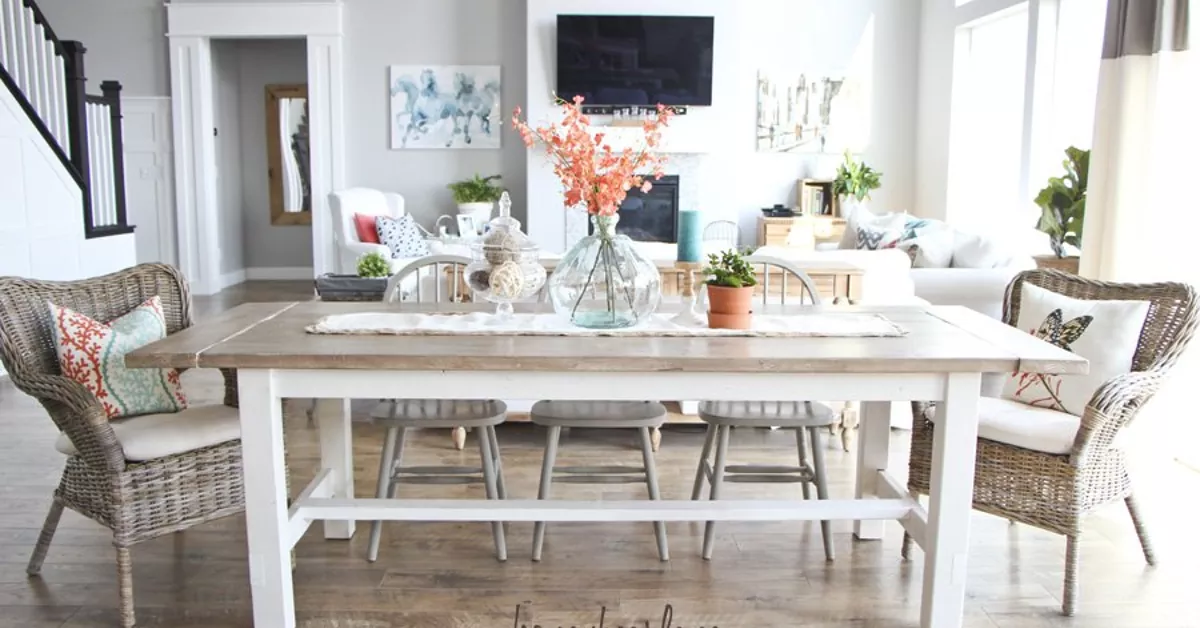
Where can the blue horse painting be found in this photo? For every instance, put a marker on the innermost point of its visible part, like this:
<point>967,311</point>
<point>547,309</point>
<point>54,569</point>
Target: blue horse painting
<point>445,106</point>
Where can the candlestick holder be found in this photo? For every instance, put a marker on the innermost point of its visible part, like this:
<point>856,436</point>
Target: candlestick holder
<point>689,316</point>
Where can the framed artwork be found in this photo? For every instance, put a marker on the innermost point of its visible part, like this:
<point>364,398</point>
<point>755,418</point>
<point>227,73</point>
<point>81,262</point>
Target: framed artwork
<point>804,112</point>
<point>468,227</point>
<point>445,106</point>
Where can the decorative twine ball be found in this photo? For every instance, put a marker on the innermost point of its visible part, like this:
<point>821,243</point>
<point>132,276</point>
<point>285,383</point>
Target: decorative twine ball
<point>507,280</point>
<point>479,280</point>
<point>500,246</point>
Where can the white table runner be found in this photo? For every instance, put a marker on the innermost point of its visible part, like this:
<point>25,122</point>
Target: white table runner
<point>816,324</point>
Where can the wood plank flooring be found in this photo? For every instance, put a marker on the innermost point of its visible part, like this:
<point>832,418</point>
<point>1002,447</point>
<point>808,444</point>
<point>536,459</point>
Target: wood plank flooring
<point>444,575</point>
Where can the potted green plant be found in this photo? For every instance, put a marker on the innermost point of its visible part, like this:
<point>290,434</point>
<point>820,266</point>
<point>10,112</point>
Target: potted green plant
<point>477,196</point>
<point>1063,201</point>
<point>854,183</point>
<point>730,288</point>
<point>368,285</point>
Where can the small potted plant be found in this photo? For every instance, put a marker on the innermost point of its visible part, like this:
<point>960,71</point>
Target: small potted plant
<point>854,183</point>
<point>477,196</point>
<point>1063,201</point>
<point>368,285</point>
<point>730,287</point>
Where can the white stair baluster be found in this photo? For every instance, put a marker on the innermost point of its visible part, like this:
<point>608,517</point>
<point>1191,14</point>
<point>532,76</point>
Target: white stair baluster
<point>7,52</point>
<point>21,41</point>
<point>94,175</point>
<point>41,72</point>
<point>60,103</point>
<point>110,179</point>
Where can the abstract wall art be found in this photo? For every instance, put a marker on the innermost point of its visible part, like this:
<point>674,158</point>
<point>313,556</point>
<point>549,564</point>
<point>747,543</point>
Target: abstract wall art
<point>805,112</point>
<point>445,106</point>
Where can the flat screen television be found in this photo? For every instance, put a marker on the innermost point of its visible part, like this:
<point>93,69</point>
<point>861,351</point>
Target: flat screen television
<point>635,59</point>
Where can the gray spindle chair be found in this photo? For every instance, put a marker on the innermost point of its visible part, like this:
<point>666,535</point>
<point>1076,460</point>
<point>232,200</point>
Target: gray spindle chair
<point>800,416</point>
<point>402,415</point>
<point>642,415</point>
<point>726,232</point>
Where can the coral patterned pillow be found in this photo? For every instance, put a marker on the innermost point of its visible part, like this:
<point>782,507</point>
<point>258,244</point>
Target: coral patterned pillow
<point>93,354</point>
<point>364,225</point>
<point>1106,333</point>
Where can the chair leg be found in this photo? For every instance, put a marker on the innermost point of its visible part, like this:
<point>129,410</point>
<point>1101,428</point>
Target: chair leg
<point>714,491</point>
<point>1070,590</point>
<point>1139,525</point>
<point>539,528</point>
<point>393,446</point>
<point>125,586</point>
<point>660,528</point>
<point>804,486</point>
<point>906,546</point>
<point>491,490</point>
<point>818,453</point>
<point>459,436</point>
<point>501,491</point>
<point>709,436</point>
<point>43,542</point>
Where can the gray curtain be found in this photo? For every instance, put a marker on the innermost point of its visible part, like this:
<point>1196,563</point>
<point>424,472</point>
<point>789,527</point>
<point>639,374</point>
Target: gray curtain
<point>1144,27</point>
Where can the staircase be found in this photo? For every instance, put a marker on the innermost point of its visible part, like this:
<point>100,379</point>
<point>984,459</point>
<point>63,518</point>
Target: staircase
<point>45,76</point>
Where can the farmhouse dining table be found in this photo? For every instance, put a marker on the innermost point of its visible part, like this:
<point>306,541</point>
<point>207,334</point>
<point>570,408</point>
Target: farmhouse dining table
<point>941,357</point>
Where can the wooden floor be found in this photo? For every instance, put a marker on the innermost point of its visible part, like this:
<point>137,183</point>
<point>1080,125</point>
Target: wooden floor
<point>444,575</point>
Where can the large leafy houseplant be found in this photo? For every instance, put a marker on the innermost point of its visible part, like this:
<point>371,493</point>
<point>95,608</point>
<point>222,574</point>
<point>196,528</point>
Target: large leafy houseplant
<point>856,179</point>
<point>477,189</point>
<point>1063,201</point>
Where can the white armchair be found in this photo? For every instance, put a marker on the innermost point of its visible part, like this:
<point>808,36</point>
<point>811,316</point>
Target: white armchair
<point>345,204</point>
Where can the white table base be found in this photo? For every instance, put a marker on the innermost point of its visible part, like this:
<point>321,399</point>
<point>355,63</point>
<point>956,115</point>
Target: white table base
<point>273,528</point>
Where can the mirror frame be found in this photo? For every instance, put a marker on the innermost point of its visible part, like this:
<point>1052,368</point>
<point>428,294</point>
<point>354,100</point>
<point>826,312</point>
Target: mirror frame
<point>275,93</point>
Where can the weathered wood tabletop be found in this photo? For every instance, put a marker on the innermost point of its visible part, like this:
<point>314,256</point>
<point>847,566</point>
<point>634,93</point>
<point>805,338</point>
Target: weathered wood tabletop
<point>273,336</point>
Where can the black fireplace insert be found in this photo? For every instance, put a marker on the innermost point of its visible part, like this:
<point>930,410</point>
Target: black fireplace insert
<point>651,216</point>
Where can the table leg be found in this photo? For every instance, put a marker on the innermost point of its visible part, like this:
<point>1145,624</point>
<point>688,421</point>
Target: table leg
<point>265,477</point>
<point>337,455</point>
<point>873,433</point>
<point>951,486</point>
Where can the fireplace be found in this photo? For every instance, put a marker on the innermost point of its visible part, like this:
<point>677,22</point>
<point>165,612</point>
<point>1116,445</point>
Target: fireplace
<point>651,216</point>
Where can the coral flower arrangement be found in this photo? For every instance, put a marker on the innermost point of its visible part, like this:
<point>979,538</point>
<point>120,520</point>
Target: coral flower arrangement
<point>603,282</point>
<point>593,174</point>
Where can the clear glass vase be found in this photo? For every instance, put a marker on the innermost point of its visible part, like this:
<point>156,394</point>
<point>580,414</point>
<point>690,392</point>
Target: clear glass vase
<point>505,265</point>
<point>603,282</point>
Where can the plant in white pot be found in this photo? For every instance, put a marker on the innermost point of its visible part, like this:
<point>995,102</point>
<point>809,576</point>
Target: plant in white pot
<point>854,183</point>
<point>477,196</point>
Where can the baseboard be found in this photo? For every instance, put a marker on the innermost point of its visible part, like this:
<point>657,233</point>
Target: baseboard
<point>231,279</point>
<point>279,274</point>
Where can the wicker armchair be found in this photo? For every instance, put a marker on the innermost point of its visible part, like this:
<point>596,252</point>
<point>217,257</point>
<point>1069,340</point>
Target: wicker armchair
<point>136,500</point>
<point>1056,492</point>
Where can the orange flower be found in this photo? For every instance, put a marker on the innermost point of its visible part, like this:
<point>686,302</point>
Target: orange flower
<point>593,174</point>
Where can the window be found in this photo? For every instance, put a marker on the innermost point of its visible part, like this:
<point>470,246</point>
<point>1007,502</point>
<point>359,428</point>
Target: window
<point>987,118</point>
<point>1024,89</point>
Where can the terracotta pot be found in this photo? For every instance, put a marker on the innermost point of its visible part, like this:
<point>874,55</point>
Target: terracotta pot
<point>729,308</point>
<point>1065,264</point>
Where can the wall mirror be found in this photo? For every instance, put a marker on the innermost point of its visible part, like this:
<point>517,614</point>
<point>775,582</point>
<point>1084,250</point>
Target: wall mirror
<point>288,170</point>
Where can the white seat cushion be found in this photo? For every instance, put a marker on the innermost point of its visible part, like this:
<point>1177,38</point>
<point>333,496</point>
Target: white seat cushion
<point>1028,427</point>
<point>153,436</point>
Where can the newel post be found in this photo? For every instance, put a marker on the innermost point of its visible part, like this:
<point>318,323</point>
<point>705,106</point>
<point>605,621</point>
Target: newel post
<point>73,52</point>
<point>112,96</point>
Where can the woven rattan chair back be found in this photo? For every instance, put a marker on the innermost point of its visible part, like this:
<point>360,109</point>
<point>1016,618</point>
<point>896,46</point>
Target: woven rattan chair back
<point>27,333</point>
<point>447,274</point>
<point>1170,323</point>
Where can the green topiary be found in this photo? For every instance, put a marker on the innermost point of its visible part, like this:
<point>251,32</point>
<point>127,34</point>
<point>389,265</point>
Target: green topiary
<point>729,270</point>
<point>373,265</point>
<point>476,190</point>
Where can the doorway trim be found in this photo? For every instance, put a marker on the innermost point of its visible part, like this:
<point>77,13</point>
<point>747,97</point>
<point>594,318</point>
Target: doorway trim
<point>191,27</point>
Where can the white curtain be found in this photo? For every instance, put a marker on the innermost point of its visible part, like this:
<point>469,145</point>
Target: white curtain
<point>290,112</point>
<point>1142,214</point>
<point>1143,210</point>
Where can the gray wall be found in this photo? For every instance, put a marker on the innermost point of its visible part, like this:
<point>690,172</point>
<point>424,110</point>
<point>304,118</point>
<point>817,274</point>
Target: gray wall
<point>227,117</point>
<point>126,41</point>
<point>261,63</point>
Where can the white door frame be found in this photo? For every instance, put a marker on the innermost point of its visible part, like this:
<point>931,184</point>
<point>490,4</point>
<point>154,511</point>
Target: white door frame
<point>191,27</point>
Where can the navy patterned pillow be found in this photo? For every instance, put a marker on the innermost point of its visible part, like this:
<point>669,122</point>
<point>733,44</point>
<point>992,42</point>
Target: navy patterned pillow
<point>402,236</point>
